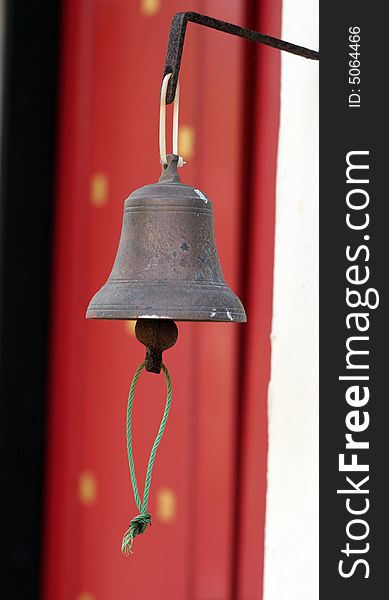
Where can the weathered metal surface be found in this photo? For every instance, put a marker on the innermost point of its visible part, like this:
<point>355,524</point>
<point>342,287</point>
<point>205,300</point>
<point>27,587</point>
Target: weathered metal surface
<point>177,39</point>
<point>157,335</point>
<point>167,266</point>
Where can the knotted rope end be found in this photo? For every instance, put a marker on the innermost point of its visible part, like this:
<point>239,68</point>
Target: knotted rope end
<point>137,526</point>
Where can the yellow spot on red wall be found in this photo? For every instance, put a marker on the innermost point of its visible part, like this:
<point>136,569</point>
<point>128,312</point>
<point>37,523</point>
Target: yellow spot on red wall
<point>150,7</point>
<point>87,488</point>
<point>85,596</point>
<point>166,505</point>
<point>186,141</point>
<point>99,189</point>
<point>130,327</point>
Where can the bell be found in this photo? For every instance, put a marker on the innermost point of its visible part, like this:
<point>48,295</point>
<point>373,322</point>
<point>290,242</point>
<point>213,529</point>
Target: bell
<point>167,266</point>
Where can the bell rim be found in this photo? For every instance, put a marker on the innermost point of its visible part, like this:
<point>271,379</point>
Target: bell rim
<point>211,315</point>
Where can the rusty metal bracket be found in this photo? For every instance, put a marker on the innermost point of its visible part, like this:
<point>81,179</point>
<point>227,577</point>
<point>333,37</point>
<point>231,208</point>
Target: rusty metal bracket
<point>177,39</point>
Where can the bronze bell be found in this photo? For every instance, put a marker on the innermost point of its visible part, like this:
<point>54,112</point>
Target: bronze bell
<point>167,266</point>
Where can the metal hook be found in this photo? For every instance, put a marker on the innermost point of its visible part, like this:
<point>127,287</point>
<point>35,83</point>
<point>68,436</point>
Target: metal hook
<point>177,38</point>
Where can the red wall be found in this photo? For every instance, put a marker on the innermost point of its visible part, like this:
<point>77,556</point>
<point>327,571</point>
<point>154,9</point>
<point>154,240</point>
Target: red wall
<point>208,491</point>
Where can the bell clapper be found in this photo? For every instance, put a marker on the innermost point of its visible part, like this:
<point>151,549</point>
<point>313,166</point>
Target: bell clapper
<point>157,335</point>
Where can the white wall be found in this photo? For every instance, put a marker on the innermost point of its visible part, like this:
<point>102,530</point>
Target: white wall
<point>291,536</point>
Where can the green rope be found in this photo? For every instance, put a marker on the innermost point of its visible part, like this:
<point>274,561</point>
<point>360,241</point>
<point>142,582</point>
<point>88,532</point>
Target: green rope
<point>139,523</point>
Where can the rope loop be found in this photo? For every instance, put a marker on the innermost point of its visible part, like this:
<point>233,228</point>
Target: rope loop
<point>162,122</point>
<point>139,523</point>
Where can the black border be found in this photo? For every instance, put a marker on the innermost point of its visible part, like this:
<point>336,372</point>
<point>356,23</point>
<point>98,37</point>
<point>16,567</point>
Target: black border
<point>344,129</point>
<point>27,179</point>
